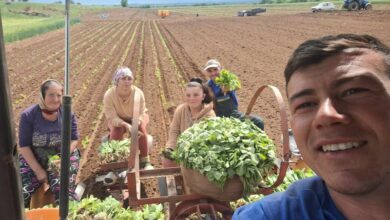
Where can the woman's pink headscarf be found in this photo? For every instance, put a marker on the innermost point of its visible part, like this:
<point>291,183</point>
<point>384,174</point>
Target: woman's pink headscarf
<point>121,72</point>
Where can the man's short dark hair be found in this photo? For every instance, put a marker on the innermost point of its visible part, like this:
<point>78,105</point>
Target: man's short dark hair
<point>315,51</point>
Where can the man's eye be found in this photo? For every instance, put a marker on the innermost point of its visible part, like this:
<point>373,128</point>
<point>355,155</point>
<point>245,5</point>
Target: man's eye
<point>305,105</point>
<point>353,91</point>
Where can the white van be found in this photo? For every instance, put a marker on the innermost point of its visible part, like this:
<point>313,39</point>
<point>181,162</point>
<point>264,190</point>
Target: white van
<point>323,6</point>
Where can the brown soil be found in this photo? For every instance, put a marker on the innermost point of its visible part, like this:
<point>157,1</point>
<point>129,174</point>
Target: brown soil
<point>165,54</point>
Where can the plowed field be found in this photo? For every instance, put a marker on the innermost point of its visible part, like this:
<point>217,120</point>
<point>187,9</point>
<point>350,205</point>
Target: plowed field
<point>165,54</point>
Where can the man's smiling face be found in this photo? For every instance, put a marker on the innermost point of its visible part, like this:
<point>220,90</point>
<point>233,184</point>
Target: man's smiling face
<point>340,111</point>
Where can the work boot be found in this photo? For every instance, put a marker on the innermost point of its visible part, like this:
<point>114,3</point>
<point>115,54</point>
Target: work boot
<point>145,163</point>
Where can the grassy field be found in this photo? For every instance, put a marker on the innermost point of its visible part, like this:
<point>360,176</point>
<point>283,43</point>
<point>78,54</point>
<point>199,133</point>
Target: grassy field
<point>232,9</point>
<point>17,26</point>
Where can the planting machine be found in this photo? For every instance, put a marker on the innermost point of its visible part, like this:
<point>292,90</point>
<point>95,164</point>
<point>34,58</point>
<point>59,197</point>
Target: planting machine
<point>173,191</point>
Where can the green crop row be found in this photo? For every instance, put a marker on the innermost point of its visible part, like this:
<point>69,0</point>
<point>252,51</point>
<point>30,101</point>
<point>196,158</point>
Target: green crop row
<point>36,27</point>
<point>18,26</point>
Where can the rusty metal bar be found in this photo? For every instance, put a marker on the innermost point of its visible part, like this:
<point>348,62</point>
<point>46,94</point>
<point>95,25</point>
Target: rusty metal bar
<point>283,127</point>
<point>11,206</point>
<point>163,199</point>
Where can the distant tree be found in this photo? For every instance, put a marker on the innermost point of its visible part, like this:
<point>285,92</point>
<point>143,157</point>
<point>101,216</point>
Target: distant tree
<point>124,3</point>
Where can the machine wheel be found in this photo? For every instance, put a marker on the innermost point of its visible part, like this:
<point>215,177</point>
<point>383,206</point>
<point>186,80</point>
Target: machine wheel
<point>353,6</point>
<point>202,209</point>
<point>368,6</point>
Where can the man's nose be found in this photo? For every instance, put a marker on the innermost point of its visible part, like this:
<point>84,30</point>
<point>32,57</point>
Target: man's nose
<point>329,114</point>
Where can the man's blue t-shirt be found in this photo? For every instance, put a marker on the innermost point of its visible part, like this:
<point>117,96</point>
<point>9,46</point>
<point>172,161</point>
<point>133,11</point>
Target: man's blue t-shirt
<point>219,94</point>
<point>307,199</point>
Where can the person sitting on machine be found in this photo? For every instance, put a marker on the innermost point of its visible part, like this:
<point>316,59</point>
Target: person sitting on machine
<point>40,140</point>
<point>118,109</point>
<point>198,105</point>
<point>226,103</point>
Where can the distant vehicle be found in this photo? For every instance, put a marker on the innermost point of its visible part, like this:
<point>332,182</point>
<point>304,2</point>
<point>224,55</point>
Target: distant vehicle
<point>323,6</point>
<point>354,5</point>
<point>251,12</point>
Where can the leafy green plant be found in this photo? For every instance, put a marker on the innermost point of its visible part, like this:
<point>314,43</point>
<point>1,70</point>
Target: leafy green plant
<point>54,164</point>
<point>111,209</point>
<point>114,151</point>
<point>220,148</point>
<point>228,81</point>
<point>291,177</point>
<point>85,142</point>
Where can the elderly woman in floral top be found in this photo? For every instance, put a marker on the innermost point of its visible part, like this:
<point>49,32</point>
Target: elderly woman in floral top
<point>118,108</point>
<point>40,139</point>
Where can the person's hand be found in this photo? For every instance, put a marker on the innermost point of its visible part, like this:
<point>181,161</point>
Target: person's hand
<point>41,175</point>
<point>127,127</point>
<point>167,159</point>
<point>167,153</point>
<point>140,133</point>
<point>225,89</point>
<point>168,163</point>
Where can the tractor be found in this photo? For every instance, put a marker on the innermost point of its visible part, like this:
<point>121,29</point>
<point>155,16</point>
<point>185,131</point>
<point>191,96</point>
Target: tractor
<point>354,5</point>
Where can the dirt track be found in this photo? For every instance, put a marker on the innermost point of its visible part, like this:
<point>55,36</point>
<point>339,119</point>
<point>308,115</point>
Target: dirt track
<point>164,54</point>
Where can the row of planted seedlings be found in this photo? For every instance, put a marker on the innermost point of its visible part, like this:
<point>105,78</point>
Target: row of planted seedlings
<point>171,84</point>
<point>185,63</point>
<point>94,52</point>
<point>168,52</point>
<point>157,70</point>
<point>140,53</point>
<point>79,52</point>
<point>99,54</point>
<point>55,52</point>
<point>56,46</point>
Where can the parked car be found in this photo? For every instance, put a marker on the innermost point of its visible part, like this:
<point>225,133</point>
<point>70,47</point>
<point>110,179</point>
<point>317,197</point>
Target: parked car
<point>323,6</point>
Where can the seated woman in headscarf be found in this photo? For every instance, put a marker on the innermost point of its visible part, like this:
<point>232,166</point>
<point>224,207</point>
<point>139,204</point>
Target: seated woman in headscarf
<point>198,105</point>
<point>118,109</point>
<point>40,140</point>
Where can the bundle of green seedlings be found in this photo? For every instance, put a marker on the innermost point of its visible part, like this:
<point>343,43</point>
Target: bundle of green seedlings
<point>291,177</point>
<point>228,81</point>
<point>221,148</point>
<point>54,164</point>
<point>91,208</point>
<point>114,151</point>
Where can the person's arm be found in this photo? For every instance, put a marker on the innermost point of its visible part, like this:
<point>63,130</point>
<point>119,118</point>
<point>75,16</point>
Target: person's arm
<point>25,143</point>
<point>28,155</point>
<point>143,116</point>
<point>110,112</point>
<point>73,145</point>
<point>74,134</point>
<point>174,129</point>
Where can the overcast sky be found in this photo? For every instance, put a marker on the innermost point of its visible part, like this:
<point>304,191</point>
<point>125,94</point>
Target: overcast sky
<point>117,2</point>
<point>84,2</point>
